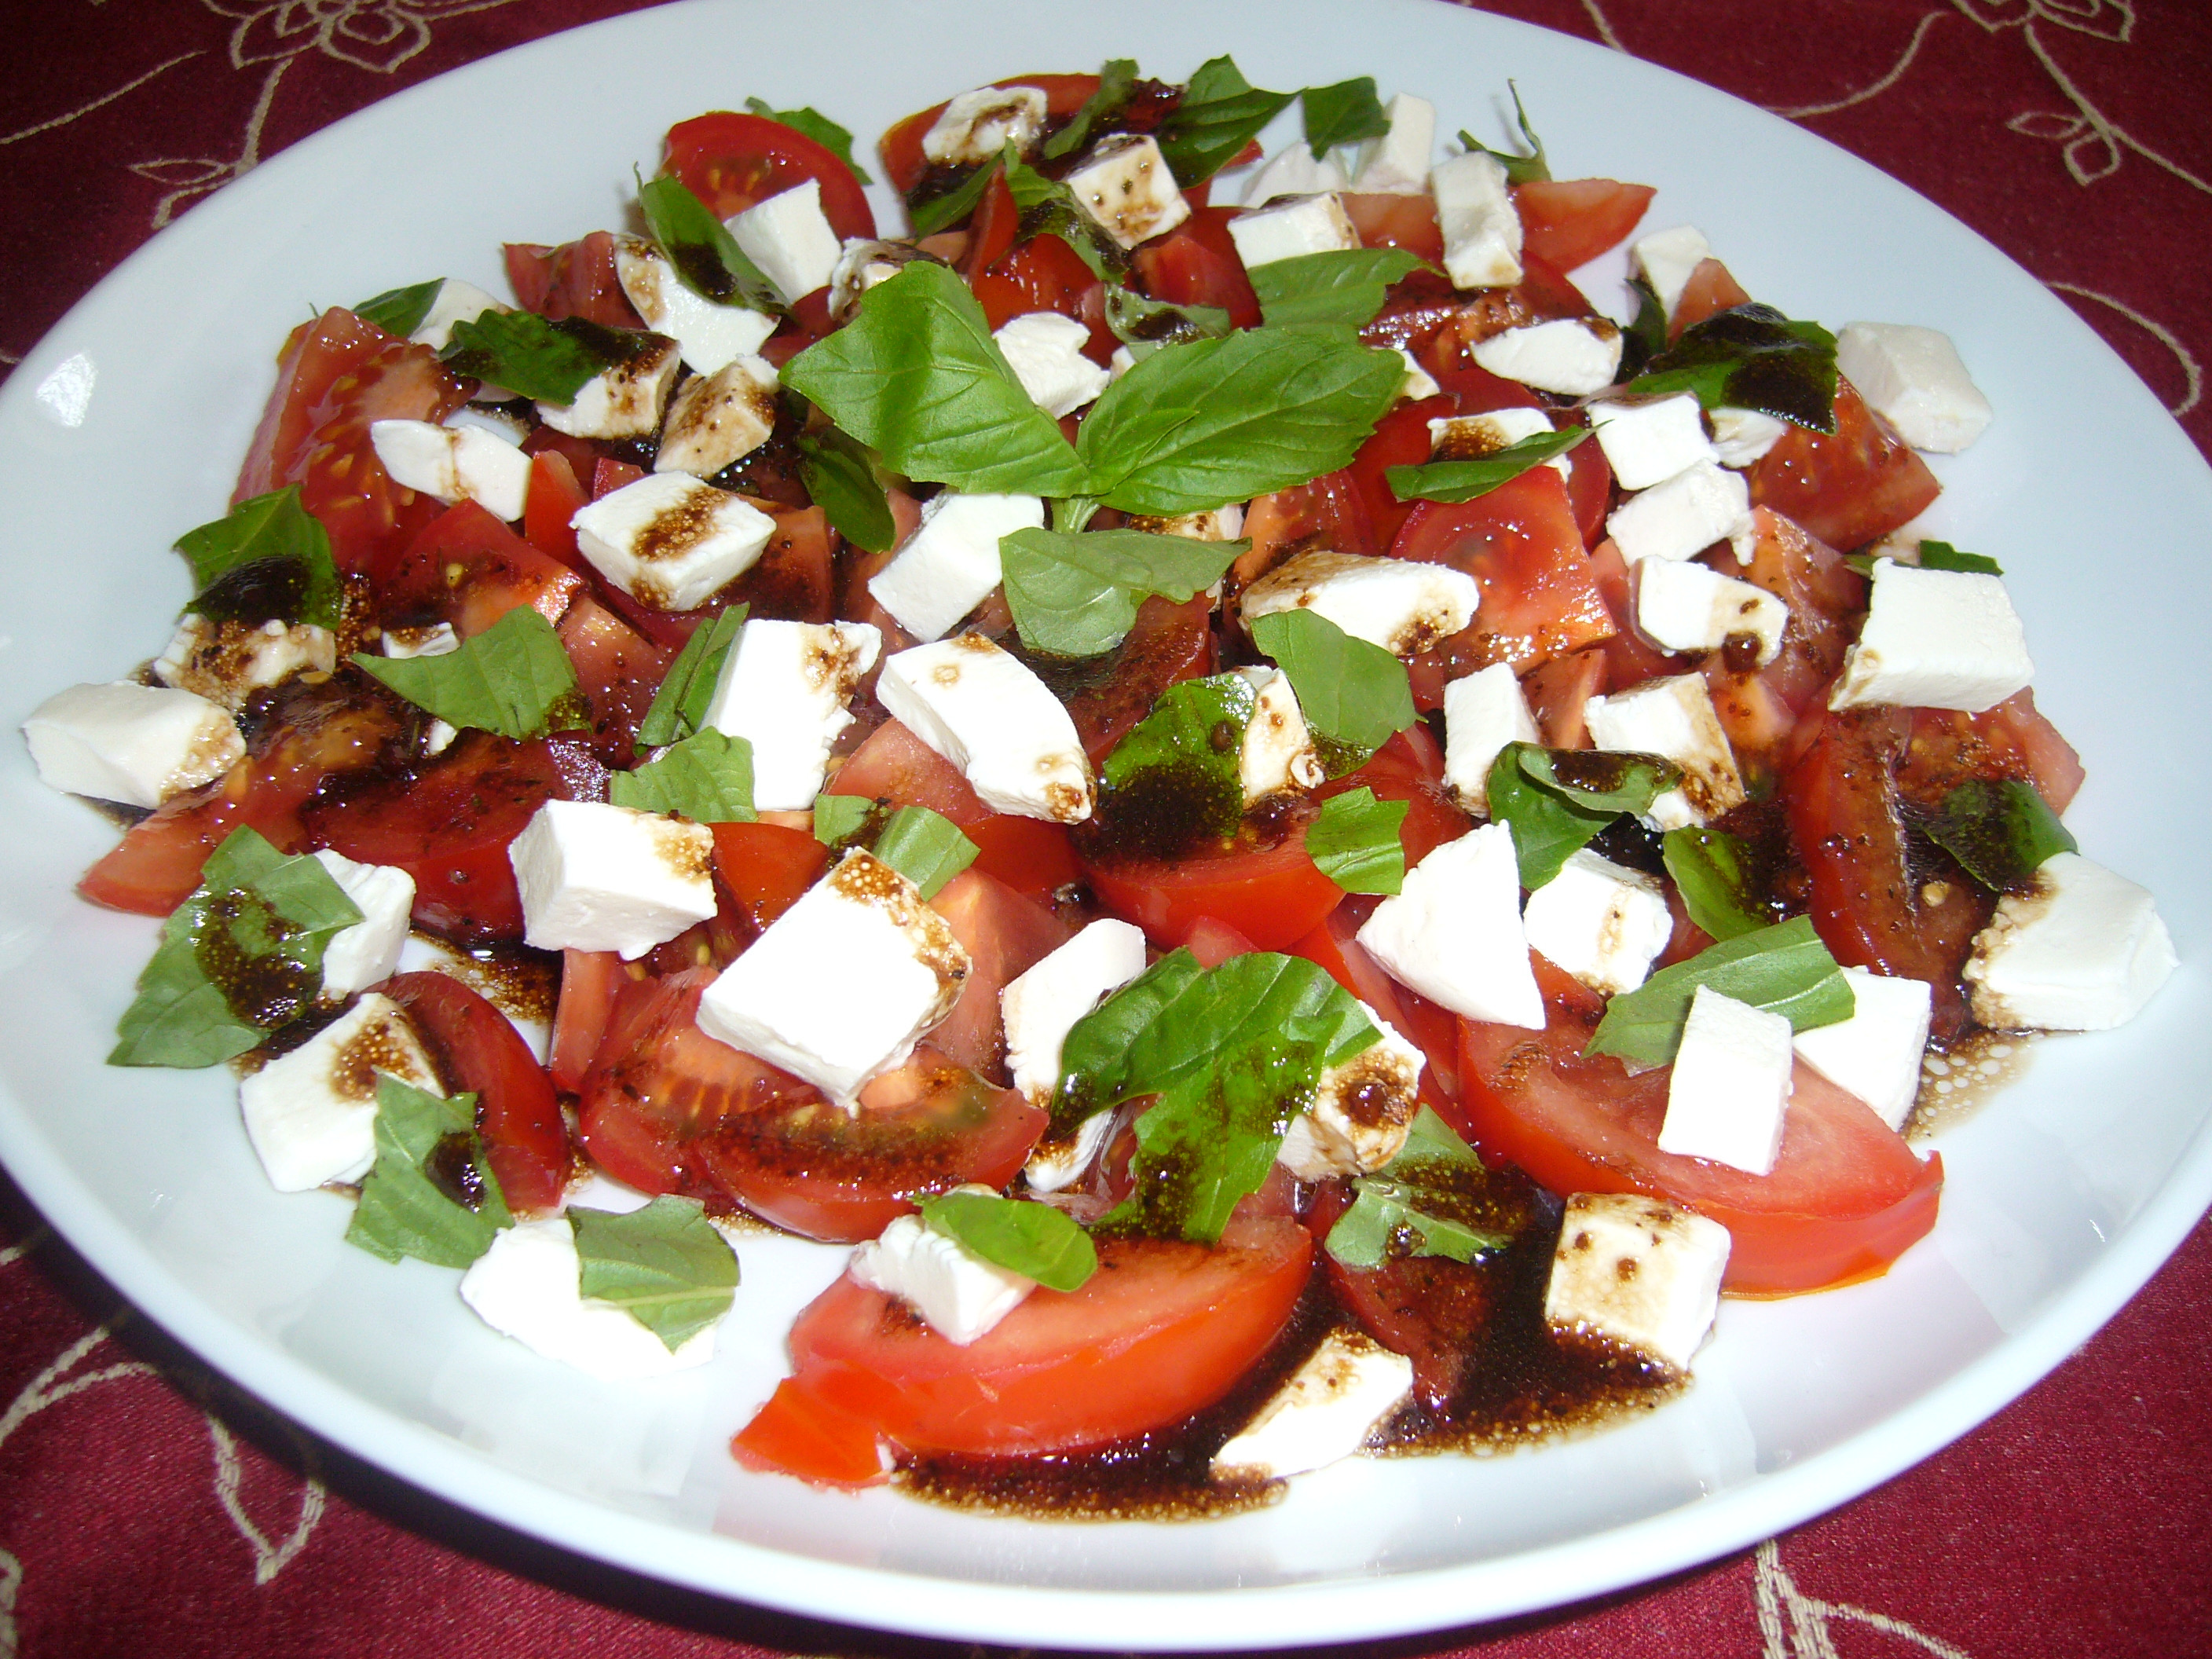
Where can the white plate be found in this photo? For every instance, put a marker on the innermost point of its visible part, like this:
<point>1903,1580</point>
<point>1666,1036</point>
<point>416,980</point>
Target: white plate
<point>126,426</point>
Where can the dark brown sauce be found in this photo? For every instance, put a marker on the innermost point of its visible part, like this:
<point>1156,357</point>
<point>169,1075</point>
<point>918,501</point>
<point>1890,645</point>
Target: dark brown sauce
<point>262,986</point>
<point>520,982</point>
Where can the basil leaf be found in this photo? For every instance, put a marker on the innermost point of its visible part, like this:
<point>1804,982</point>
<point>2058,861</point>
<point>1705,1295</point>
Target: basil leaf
<point>700,246</point>
<point>708,777</point>
<point>1784,970</point>
<point>664,1266</point>
<point>1077,595</point>
<point>917,376</point>
<point>1548,829</point>
<point>1464,480</point>
<point>843,821</point>
<point>1145,324</point>
<point>926,215</point>
<point>1117,78</point>
<point>1751,356</point>
<point>1528,169</point>
<point>841,479</point>
<point>927,848</point>
<point>1942,555</point>
<point>1354,841</point>
<point>1173,781</point>
<point>812,123</point>
<point>689,685</point>
<point>1342,114</point>
<point>432,1194</point>
<point>1599,780</point>
<point>514,679</point>
<point>1349,690</point>
<point>1711,870</point>
<point>2001,831</point>
<point>1049,208</point>
<point>1219,112</point>
<point>1345,285</point>
<point>400,311</point>
<point>1034,1240</point>
<point>1208,422</point>
<point>267,557</point>
<point>1646,337</point>
<point>1413,1200</point>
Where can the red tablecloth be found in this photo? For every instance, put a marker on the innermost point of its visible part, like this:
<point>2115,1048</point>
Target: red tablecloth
<point>146,1508</point>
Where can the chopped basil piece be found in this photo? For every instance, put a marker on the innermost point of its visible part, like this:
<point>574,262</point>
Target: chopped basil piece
<point>925,847</point>
<point>1464,480</point>
<point>1077,595</point>
<point>1784,970</point>
<point>708,777</point>
<point>1942,555</point>
<point>812,123</point>
<point>1219,113</point>
<point>532,357</point>
<point>2002,831</point>
<point>514,679</point>
<point>1144,325</point>
<point>1601,780</point>
<point>1049,208</point>
<point>664,1266</point>
<point>1751,356</point>
<point>685,690</point>
<point>1354,842</point>
<point>1645,338</point>
<point>1345,285</point>
<point>400,311</point>
<point>1349,690</point>
<point>1172,784</point>
<point>1558,800</point>
<point>1034,1240</point>
<point>1528,169</point>
<point>1117,78</point>
<point>1342,114</point>
<point>1420,1204</point>
<point>266,559</point>
<point>700,246</point>
<point>840,476</point>
<point>1711,870</point>
<point>432,1194</point>
<point>843,821</point>
<point>928,215</point>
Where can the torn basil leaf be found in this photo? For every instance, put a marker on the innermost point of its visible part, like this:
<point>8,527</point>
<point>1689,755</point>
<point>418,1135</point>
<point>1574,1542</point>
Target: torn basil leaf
<point>400,311</point>
<point>1751,356</point>
<point>1645,338</point>
<point>1712,870</point>
<point>431,1194</point>
<point>1343,113</point>
<point>1343,285</point>
<point>925,847</point>
<point>700,246</point>
<point>928,215</point>
<point>1784,970</point>
<point>1077,595</point>
<point>1353,841</point>
<point>840,476</point>
<point>708,777</point>
<point>1144,325</point>
<point>1117,78</point>
<point>267,559</point>
<point>680,705</point>
<point>1049,208</point>
<point>1548,827</point>
<point>812,123</point>
<point>2001,829</point>
<point>1464,480</point>
<point>514,679</point>
<point>1172,785</point>
<point>1349,690</point>
<point>663,1265</point>
<point>1034,1240</point>
<point>1430,1200</point>
<point>1219,113</point>
<point>550,361</point>
<point>1528,169</point>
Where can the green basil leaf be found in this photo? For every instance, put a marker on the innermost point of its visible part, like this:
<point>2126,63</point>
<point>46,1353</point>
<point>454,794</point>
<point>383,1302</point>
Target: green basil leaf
<point>1548,828</point>
<point>1343,114</point>
<point>1464,480</point>
<point>917,376</point>
<point>680,704</point>
<point>927,848</point>
<point>812,123</point>
<point>1077,595</point>
<point>1751,356</point>
<point>533,358</point>
<point>431,1194</point>
<point>1354,841</point>
<point>1942,555</point>
<point>1034,1240</point>
<point>514,679</point>
<point>664,1266</point>
<point>1528,169</point>
<point>2001,831</point>
<point>1049,208</point>
<point>707,258</point>
<point>400,311</point>
<point>843,821</point>
<point>1350,691</point>
<point>1172,783</point>
<point>708,777</point>
<point>840,476</point>
<point>1145,324</point>
<point>1219,112</point>
<point>928,215</point>
<point>1784,970</point>
<point>1345,285</point>
<point>1712,870</point>
<point>1117,78</point>
<point>267,557</point>
<point>1599,780</point>
<point>1433,1195</point>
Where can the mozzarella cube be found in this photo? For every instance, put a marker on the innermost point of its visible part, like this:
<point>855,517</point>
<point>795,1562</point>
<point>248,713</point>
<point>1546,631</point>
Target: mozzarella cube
<point>1346,1389</point>
<point>670,541</point>
<point>1473,437</point>
<point>1453,932</point>
<point>983,710</point>
<point>1212,524</point>
<point>1045,351</point>
<point>951,564</point>
<point>1040,1006</point>
<point>959,1294</point>
<point>1646,443</point>
<point>1912,378</point>
<point>311,1113</point>
<point>1401,604</point>
<point>1742,437</point>
<point>1685,515</point>
<point>1397,163</point>
<point>1598,923</point>
<point>861,264</point>
<point>1481,227</point>
<point>1418,382</point>
<point>1572,356</point>
<point>1637,1273</point>
<point>709,334</point>
<point>456,302</point>
<point>622,400</point>
<point>1125,186</point>
<point>454,464</point>
<point>2082,952</point>
<point>719,419</point>
<point>784,687</point>
<point>840,985</point>
<point>1730,1085</point>
<point>1936,639</point>
<point>1291,226</point>
<point>1055,1165</point>
<point>434,639</point>
<point>1673,717</point>
<point>226,662</point>
<point>1278,750</point>
<point>1360,1111</point>
<point>1666,259</point>
<point>367,953</point>
<point>438,737</point>
<point>501,423</point>
<point>529,1286</point>
<point>138,744</point>
<point>1875,1053</point>
<point>975,127</point>
<point>1292,171</point>
<point>1683,605</point>
<point>789,238</point>
<point>595,877</point>
<point>1483,712</point>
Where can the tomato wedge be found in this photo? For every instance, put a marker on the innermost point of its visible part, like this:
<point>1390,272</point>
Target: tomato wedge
<point>1570,221</point>
<point>795,1433</point>
<point>469,570</point>
<point>896,766</point>
<point>1850,487</point>
<point>576,279</point>
<point>1273,894</point>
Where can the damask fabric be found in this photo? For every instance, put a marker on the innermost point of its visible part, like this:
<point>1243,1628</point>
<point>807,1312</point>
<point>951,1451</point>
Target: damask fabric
<point>145,1509</point>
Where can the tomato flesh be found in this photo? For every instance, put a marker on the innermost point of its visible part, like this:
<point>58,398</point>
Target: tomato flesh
<point>1849,486</point>
<point>731,162</point>
<point>1273,895</point>
<point>1570,221</point>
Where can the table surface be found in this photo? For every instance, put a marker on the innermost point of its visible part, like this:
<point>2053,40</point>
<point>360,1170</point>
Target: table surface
<point>146,1507</point>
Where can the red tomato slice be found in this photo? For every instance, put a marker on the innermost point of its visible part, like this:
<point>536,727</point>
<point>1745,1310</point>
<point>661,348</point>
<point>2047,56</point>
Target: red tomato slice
<point>318,355</point>
<point>1213,943</point>
<point>991,232</point>
<point>617,670</point>
<point>1197,265</point>
<point>1044,274</point>
<point>1410,768</point>
<point>555,496</point>
<point>469,570</point>
<point>1849,488</point>
<point>590,980</point>
<point>765,867</point>
<point>1558,691</point>
<point>795,1433</point>
<point>1272,894</point>
<point>896,766</point>
<point>2011,740</point>
<point>1406,221</point>
<point>731,161</point>
<point>1005,935</point>
<point>1568,223</point>
<point>901,147</point>
<point>1168,643</point>
<point>1032,857</point>
<point>1399,439</point>
<point>576,279</point>
<point>1710,289</point>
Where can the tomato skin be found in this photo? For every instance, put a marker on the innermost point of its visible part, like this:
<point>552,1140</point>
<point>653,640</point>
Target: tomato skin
<point>896,766</point>
<point>1710,289</point>
<point>1032,857</point>
<point>553,498</point>
<point>469,570</point>
<point>1044,274</point>
<point>590,980</point>
<point>1557,692</point>
<point>576,279</point>
<point>796,1433</point>
<point>1847,487</point>
<point>764,867</point>
<point>1272,894</point>
<point>1004,934</point>
<point>1406,221</point>
<point>1197,265</point>
<point>318,354</point>
<point>1568,223</point>
<point>731,161</point>
<point>617,670</point>
<point>1167,644</point>
<point>1399,439</point>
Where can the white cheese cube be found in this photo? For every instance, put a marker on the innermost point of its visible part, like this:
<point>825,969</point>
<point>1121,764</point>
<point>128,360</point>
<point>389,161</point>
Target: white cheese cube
<point>1483,712</point>
<point>951,564</point>
<point>1472,437</point>
<point>841,985</point>
<point>624,400</point>
<point>1045,351</point>
<point>1572,356</point>
<point>1360,1112</point>
<point>1685,515</point>
<point>1292,171</point>
<point>1936,639</point>
<point>1600,923</point>
<point>1730,1085</point>
<point>501,423</point>
<point>983,710</point>
<point>1291,226</point>
<point>1345,1389</point>
<point>1912,378</point>
<point>784,688</point>
<point>2083,952</point>
<point>1040,1006</point>
<point>1397,163</point>
<point>1124,185</point>
<point>670,541</point>
<point>1666,259</point>
<point>861,264</point>
<point>1742,437</point>
<point>436,640</point>
<point>311,1113</point>
<point>138,744</point>
<point>456,302</point>
<point>1212,524</point>
<point>789,238</point>
<point>1646,443</point>
<point>595,877</point>
<point>1278,750</point>
<point>709,334</point>
<point>976,126</point>
<point>719,418</point>
<point>529,1286</point>
<point>1637,1273</point>
<point>1481,227</point>
<point>367,953</point>
<point>1055,1165</point>
<point>1875,1053</point>
<point>1454,932</point>
<point>959,1294</point>
<point>438,737</point>
<point>454,464</point>
<point>1683,605</point>
<point>226,662</point>
<point>1120,362</point>
<point>1673,716</point>
<point>1401,604</point>
<point>1418,382</point>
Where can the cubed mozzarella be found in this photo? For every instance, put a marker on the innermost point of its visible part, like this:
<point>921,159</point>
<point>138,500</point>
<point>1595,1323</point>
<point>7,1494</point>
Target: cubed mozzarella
<point>1212,524</point>
<point>1731,1086</point>
<point>719,419</point>
<point>1673,716</point>
<point>431,640</point>
<point>138,744</point>
<point>1473,437</point>
<point>840,985</point>
<point>861,264</point>
<point>983,710</point>
<point>1681,605</point>
<point>1125,186</point>
<point>1648,442</point>
<point>595,877</point>
<point>1040,1006</point>
<point>529,1286</point>
<point>1666,259</point>
<point>951,564</point>
<point>1045,351</point>
<point>670,541</point>
<point>1360,1111</point>
<point>1397,163</point>
<point>1293,226</point>
<point>1912,378</point>
<point>974,127</point>
<point>454,464</point>
<point>1875,1053</point>
<point>622,400</point>
<point>367,953</point>
<point>438,737</point>
<point>1936,639</point>
<point>1293,171</point>
<point>1057,1164</point>
<point>709,334</point>
<point>1638,1274</point>
<point>311,1113</point>
<point>1572,356</point>
<point>1453,932</point>
<point>1483,712</point>
<point>1742,437</point>
<point>1418,382</point>
<point>1278,750</point>
<point>455,302</point>
<point>2084,951</point>
<point>1347,1388</point>
<point>1481,227</point>
<point>1600,923</point>
<point>1401,605</point>
<point>784,687</point>
<point>226,662</point>
<point>789,239</point>
<point>501,423</point>
<point>957,1293</point>
<point>1685,515</point>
